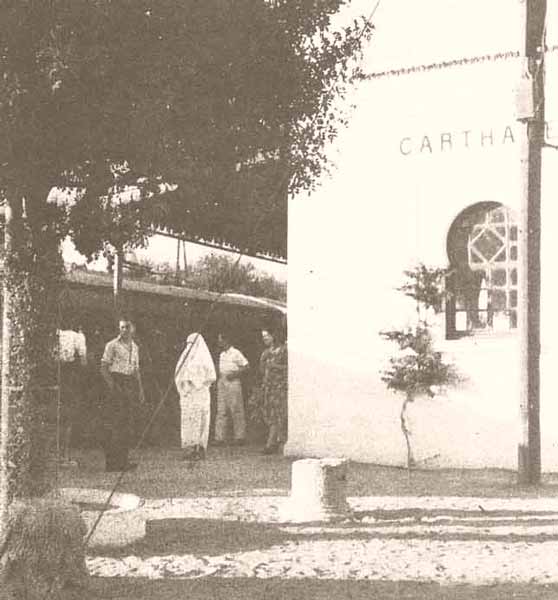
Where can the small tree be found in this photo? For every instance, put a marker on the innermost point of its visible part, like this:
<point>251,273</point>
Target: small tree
<point>418,369</point>
<point>426,286</point>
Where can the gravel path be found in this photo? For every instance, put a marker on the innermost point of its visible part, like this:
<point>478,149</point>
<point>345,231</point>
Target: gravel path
<point>445,540</point>
<point>389,560</point>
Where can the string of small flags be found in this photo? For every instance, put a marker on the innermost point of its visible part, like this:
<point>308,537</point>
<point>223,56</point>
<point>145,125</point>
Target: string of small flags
<point>499,56</point>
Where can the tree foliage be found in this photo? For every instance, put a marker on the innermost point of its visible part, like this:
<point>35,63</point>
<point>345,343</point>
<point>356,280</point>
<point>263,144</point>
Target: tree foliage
<point>232,101</point>
<point>218,273</point>
<point>223,274</point>
<point>426,285</point>
<point>418,369</point>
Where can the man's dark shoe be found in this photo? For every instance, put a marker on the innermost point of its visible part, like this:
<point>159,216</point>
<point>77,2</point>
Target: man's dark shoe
<point>239,442</point>
<point>188,454</point>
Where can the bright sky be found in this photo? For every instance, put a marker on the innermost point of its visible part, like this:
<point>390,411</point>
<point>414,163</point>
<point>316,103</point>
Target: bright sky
<point>413,32</point>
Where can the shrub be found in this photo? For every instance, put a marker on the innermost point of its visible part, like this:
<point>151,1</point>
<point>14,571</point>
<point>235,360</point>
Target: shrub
<point>43,554</point>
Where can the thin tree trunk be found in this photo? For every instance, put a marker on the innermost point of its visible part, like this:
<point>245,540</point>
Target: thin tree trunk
<point>117,278</point>
<point>4,409</point>
<point>32,268</point>
<point>406,431</point>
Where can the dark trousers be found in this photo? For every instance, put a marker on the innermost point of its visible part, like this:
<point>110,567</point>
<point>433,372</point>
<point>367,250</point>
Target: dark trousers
<point>71,405</point>
<point>70,392</point>
<point>118,411</point>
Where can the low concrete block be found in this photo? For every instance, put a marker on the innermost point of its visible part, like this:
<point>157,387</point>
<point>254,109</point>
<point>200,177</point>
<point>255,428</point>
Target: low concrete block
<point>121,524</point>
<point>318,490</point>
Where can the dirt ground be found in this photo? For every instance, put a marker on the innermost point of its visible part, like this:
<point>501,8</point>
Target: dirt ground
<point>162,474</point>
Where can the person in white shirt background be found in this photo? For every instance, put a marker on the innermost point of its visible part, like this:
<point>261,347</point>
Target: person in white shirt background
<point>72,356</point>
<point>230,404</point>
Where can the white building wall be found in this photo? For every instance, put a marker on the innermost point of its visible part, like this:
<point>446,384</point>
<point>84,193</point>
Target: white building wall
<point>405,170</point>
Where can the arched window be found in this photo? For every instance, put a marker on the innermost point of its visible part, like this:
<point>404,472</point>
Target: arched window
<point>482,285</point>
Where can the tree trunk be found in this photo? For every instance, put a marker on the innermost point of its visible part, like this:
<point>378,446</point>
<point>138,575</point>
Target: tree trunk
<point>411,463</point>
<point>4,399</point>
<point>32,272</point>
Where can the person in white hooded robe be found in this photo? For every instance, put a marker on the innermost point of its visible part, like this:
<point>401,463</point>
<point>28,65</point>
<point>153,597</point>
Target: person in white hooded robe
<point>194,375</point>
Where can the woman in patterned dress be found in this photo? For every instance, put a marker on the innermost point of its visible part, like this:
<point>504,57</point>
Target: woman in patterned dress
<point>274,366</point>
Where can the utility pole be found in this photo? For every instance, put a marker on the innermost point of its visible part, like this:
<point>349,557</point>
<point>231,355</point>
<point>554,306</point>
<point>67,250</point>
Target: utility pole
<point>117,278</point>
<point>185,259</point>
<point>177,272</point>
<point>531,115</point>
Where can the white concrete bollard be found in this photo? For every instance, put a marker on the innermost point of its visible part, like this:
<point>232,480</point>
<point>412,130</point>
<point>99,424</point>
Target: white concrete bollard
<point>318,490</point>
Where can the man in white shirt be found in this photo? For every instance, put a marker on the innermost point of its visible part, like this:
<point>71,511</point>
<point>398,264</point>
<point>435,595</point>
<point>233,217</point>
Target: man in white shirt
<point>232,364</point>
<point>72,353</point>
<point>120,371</point>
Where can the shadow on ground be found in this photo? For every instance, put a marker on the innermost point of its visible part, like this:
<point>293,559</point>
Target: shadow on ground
<point>308,589</point>
<point>205,537</point>
<point>215,537</point>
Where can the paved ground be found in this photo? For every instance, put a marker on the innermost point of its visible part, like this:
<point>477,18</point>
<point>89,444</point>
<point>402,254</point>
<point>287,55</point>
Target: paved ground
<point>423,539</point>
